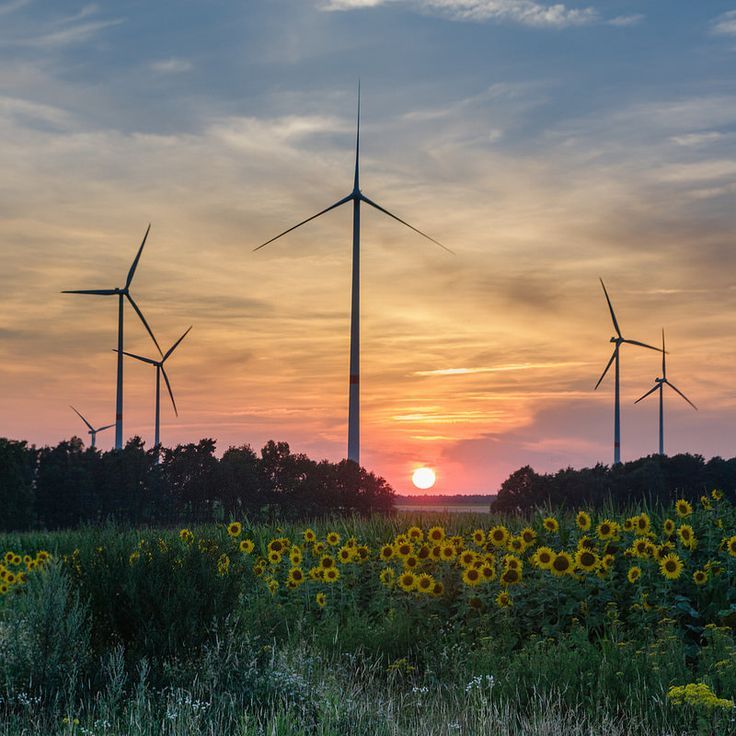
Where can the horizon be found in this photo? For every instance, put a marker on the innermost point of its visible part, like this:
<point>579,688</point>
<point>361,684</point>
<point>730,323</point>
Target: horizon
<point>546,145</point>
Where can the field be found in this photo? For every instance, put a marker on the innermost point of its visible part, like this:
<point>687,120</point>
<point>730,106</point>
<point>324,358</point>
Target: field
<point>619,623</point>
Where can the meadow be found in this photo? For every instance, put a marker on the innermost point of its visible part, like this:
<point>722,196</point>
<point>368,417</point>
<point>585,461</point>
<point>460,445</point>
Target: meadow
<point>548,623</point>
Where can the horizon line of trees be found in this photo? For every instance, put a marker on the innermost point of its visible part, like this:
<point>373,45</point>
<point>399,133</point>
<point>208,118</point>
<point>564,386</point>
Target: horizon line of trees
<point>655,478</point>
<point>68,485</point>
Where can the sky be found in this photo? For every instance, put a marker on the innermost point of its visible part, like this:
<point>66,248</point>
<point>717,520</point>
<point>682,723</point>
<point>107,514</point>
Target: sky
<point>546,144</point>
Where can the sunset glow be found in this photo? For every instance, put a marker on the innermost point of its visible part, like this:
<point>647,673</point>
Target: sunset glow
<point>423,478</point>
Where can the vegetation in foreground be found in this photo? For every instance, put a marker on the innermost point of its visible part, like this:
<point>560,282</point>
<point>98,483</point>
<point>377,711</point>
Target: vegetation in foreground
<point>540,625</point>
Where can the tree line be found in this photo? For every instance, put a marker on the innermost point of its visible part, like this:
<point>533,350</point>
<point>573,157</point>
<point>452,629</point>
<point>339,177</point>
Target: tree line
<point>68,485</point>
<point>657,478</point>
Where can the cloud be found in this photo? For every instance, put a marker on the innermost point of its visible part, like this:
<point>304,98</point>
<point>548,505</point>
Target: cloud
<point>171,66</point>
<point>524,12</point>
<point>495,369</point>
<point>11,7</point>
<point>697,139</point>
<point>625,21</point>
<point>725,24</point>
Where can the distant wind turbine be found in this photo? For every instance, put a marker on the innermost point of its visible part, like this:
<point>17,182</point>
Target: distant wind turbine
<point>92,431</point>
<point>356,197</point>
<point>659,386</point>
<point>122,294</point>
<point>618,340</point>
<point>159,364</point>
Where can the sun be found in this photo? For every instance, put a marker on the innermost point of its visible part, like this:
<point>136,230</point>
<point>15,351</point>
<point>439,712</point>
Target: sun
<point>423,478</point>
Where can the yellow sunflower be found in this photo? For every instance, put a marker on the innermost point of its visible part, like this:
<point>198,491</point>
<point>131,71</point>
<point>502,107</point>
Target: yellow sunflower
<point>683,508</point>
<point>586,560</point>
<point>387,552</point>
<point>327,562</point>
<point>246,546</point>
<point>415,534</point>
<point>331,575</point>
<point>551,524</point>
<point>321,600</point>
<point>687,535</point>
<point>234,528</point>
<point>668,527</point>
<point>528,535</point>
<point>562,564</point>
<point>472,576</point>
<point>543,558</point>
<point>582,519</point>
<point>671,566</point>
<point>479,537</point>
<point>498,536</point>
<point>700,577</point>
<point>333,539</point>
<point>606,529</point>
<point>310,537</point>
<point>425,583</point>
<point>716,495</point>
<point>407,581</point>
<point>643,523</point>
<point>488,572</point>
<point>296,576</point>
<point>386,576</point>
<point>467,558</point>
<point>633,574</point>
<point>510,576</point>
<point>436,534</point>
<point>731,546</point>
<point>503,599</point>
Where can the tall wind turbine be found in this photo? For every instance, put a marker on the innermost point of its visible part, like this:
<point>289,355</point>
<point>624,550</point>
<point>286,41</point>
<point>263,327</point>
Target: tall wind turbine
<point>160,370</point>
<point>122,293</point>
<point>618,341</point>
<point>92,431</point>
<point>356,197</point>
<point>659,384</point>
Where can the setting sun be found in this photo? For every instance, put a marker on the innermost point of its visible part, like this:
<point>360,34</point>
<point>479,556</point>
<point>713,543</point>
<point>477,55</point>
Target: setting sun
<point>423,478</point>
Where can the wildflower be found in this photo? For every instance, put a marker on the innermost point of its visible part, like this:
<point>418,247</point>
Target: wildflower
<point>134,557</point>
<point>697,695</point>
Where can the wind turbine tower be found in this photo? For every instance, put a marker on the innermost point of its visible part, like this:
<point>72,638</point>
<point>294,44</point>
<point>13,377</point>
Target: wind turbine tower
<point>659,384</point>
<point>356,197</point>
<point>618,340</point>
<point>91,430</point>
<point>122,293</point>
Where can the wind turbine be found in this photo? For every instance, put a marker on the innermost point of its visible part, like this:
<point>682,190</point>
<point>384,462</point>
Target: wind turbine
<point>356,197</point>
<point>618,341</point>
<point>122,294</point>
<point>659,384</point>
<point>160,370</point>
<point>92,431</point>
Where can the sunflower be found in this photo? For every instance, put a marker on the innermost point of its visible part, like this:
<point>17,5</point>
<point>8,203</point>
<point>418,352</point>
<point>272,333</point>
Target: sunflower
<point>731,546</point>
<point>528,535</point>
<point>387,552</point>
<point>296,576</point>
<point>362,552</point>
<point>562,564</point>
<point>345,554</point>
<point>327,562</point>
<point>316,573</point>
<point>404,549</point>
<point>687,535</point>
<point>510,562</point>
<point>274,557</point>
<point>436,534</point>
<point>585,542</point>
<point>425,583</point>
<point>258,570</point>
<point>333,539</point>
<point>642,547</point>
<point>3,588</point>
<point>472,577</point>
<point>411,562</point>
<point>633,574</point>
<point>407,581</point>
<point>321,600</point>
<point>435,552</point>
<point>273,586</point>
<point>467,558</point>
<point>479,537</point>
<point>498,536</point>
<point>716,495</point>
<point>275,545</point>
<point>488,572</point>
<point>331,575</point>
<point>510,576</point>
<point>551,524</point>
<point>246,546</point>
<point>705,503</point>
<point>643,523</point>
<point>607,529</point>
<point>516,544</point>
<point>415,534</point>
<point>9,557</point>
<point>586,560</point>
<point>310,537</point>
<point>582,519</point>
<point>234,528</point>
<point>543,558</point>
<point>184,534</point>
<point>607,561</point>
<point>438,589</point>
<point>671,566</point>
<point>424,552</point>
<point>318,548</point>
<point>668,527</point>
<point>700,577</point>
<point>386,576</point>
<point>683,508</point>
<point>448,552</point>
<point>629,524</point>
<point>503,599</point>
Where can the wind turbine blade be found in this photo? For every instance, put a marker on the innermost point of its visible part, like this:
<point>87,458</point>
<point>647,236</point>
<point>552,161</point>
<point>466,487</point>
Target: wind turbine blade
<point>651,391</point>
<point>610,307</point>
<point>137,357</point>
<point>97,292</point>
<point>171,393</point>
<point>356,185</point>
<point>603,375</point>
<point>107,426</point>
<point>642,345</point>
<point>403,222</point>
<point>83,419</point>
<point>131,273</point>
<point>143,319</point>
<point>174,346</point>
<point>674,388</point>
<point>304,222</point>
<point>664,354</point>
